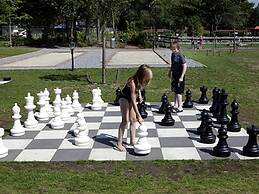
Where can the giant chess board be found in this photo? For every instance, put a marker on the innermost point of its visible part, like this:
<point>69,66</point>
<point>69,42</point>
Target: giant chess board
<point>178,142</point>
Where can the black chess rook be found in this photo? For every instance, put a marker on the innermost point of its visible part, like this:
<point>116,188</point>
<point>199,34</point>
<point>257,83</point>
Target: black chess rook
<point>188,99</point>
<point>203,99</point>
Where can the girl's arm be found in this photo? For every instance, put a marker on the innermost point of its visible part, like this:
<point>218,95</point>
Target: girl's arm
<point>134,99</point>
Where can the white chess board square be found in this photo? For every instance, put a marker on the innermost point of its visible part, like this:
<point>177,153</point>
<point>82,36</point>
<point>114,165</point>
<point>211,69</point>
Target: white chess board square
<point>150,125</point>
<point>172,132</point>
<point>71,120</point>
<point>204,145</point>
<point>187,153</point>
<point>243,157</point>
<point>103,133</point>
<point>201,107</point>
<point>149,113</point>
<point>39,127</point>
<point>93,126</point>
<point>112,119</point>
<point>189,112</point>
<point>51,134</point>
<point>69,144</point>
<point>106,154</point>
<point>153,141</point>
<point>36,155</point>
<point>158,118</point>
<point>16,144</point>
<point>191,124</point>
<point>93,113</point>
<point>113,109</point>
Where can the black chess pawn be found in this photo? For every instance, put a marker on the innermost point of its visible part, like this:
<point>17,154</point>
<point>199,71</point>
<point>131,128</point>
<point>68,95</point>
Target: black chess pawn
<point>222,149</point>
<point>213,106</point>
<point>223,117</point>
<point>204,117</point>
<point>168,119</point>
<point>203,99</point>
<point>207,136</point>
<point>142,109</point>
<point>251,149</point>
<point>118,94</point>
<point>234,125</point>
<point>164,101</point>
<point>188,100</point>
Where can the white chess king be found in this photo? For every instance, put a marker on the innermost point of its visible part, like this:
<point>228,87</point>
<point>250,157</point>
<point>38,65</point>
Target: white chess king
<point>142,146</point>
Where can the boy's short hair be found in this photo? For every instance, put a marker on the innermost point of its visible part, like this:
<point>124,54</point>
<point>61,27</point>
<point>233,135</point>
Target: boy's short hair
<point>175,45</point>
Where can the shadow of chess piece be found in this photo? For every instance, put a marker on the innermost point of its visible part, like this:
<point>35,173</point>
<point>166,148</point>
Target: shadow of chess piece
<point>142,109</point>
<point>203,99</point>
<point>188,100</point>
<point>207,136</point>
<point>251,149</point>
<point>168,119</point>
<point>204,117</point>
<point>234,125</point>
<point>222,149</point>
<point>118,94</point>
<point>164,101</point>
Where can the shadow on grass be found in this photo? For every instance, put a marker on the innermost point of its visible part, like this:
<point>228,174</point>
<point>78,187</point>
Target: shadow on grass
<point>67,77</point>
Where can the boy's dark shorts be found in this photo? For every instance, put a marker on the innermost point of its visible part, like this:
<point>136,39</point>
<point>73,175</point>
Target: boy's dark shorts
<point>177,87</point>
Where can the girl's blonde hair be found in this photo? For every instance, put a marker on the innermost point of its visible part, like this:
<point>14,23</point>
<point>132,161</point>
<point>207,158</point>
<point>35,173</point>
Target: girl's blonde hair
<point>142,77</point>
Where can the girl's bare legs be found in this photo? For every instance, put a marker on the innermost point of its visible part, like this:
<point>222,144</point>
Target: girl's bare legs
<point>124,106</point>
<point>133,125</point>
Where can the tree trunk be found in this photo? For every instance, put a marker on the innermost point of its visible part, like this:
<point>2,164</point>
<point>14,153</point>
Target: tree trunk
<point>103,57</point>
<point>98,30</point>
<point>113,24</point>
<point>10,31</point>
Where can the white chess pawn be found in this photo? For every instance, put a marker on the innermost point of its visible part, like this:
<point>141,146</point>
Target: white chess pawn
<point>82,137</point>
<point>48,106</point>
<point>18,129</point>
<point>31,122</point>
<point>69,105</point>
<point>3,149</point>
<point>76,105</point>
<point>57,122</point>
<point>64,110</point>
<point>97,103</point>
<point>57,92</point>
<point>100,95</point>
<point>43,115</point>
<point>142,146</point>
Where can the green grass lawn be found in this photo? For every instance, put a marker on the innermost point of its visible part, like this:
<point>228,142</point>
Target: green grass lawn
<point>12,51</point>
<point>237,72</point>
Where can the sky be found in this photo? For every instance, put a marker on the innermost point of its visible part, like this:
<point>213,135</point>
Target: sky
<point>254,1</point>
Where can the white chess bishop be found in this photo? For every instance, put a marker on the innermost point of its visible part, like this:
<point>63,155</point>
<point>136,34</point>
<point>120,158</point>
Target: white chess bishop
<point>81,132</point>
<point>142,146</point>
<point>18,129</point>
<point>3,149</point>
<point>97,100</point>
<point>31,122</point>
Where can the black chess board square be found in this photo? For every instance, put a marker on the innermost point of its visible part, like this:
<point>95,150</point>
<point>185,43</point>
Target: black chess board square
<point>155,154</point>
<point>27,135</point>
<point>44,144</point>
<point>71,155</point>
<point>175,142</point>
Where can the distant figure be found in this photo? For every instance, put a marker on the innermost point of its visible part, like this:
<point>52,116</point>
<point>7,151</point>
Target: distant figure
<point>200,42</point>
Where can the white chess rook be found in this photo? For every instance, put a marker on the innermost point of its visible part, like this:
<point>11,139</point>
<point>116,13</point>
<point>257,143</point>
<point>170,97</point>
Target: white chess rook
<point>31,122</point>
<point>43,115</point>
<point>57,92</point>
<point>97,100</point>
<point>3,149</point>
<point>76,105</point>
<point>18,129</point>
<point>142,146</point>
<point>82,137</point>
<point>48,106</point>
<point>57,122</point>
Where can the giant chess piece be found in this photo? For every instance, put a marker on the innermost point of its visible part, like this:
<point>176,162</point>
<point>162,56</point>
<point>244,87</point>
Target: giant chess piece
<point>3,149</point>
<point>213,106</point>
<point>75,104</point>
<point>251,149</point>
<point>234,125</point>
<point>57,92</point>
<point>142,146</point>
<point>222,149</point>
<point>97,101</point>
<point>43,115</point>
<point>218,96</point>
<point>118,94</point>
<point>188,99</point>
<point>69,105</point>
<point>168,119</point>
<point>142,109</point>
<point>204,117</point>
<point>143,95</point>
<point>223,117</point>
<point>203,99</point>
<point>64,110</point>
<point>82,137</point>
<point>164,101</point>
<point>31,122</point>
<point>18,129</point>
<point>57,122</point>
<point>47,105</point>
<point>207,136</point>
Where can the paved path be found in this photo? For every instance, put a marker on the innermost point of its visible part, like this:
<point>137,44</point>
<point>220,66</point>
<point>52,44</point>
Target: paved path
<point>90,58</point>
